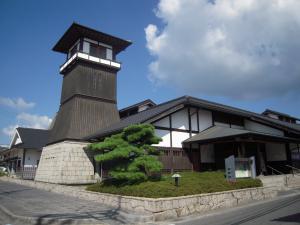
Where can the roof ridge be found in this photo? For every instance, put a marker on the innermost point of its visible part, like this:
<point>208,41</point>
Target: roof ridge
<point>31,128</point>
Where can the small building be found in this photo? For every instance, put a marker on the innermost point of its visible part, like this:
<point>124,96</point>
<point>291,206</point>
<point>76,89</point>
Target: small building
<point>23,155</point>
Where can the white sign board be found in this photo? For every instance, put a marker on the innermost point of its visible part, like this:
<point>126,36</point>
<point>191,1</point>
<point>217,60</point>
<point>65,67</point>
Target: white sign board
<point>239,168</point>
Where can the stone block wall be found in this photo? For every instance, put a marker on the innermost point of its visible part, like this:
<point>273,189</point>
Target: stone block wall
<point>161,208</point>
<point>66,162</point>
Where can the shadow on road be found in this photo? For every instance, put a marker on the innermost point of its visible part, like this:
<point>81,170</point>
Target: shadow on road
<point>68,218</point>
<point>14,191</point>
<point>289,218</point>
<point>112,215</point>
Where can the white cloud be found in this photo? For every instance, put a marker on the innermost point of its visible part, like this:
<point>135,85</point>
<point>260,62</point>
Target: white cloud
<point>245,49</point>
<point>10,130</point>
<point>34,121</point>
<point>28,120</point>
<point>18,103</point>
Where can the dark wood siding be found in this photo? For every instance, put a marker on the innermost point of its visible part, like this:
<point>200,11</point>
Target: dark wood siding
<point>89,81</point>
<point>175,159</point>
<point>88,102</point>
<point>80,117</point>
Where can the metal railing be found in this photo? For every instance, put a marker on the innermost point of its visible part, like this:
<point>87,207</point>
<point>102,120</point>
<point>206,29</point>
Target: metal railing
<point>277,171</point>
<point>26,173</point>
<point>294,169</point>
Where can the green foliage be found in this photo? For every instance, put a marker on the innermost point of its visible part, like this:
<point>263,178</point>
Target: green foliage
<point>2,174</point>
<point>131,153</point>
<point>190,183</point>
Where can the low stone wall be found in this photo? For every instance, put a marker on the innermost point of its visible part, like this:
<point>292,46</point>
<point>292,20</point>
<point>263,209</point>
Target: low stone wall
<point>161,208</point>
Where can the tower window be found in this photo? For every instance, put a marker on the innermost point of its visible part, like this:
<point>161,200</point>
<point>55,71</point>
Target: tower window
<point>109,54</point>
<point>92,48</point>
<point>98,51</point>
<point>86,47</point>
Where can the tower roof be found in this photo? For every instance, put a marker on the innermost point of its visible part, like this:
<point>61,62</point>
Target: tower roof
<point>77,31</point>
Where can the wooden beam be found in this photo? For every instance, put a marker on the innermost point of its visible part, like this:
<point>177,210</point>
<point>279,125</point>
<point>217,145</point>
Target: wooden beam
<point>198,124</point>
<point>190,121</point>
<point>170,122</point>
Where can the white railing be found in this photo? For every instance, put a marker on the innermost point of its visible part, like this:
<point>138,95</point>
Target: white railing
<point>90,58</point>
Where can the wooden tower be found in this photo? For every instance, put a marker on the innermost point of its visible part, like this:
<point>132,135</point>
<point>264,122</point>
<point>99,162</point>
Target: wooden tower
<point>88,99</point>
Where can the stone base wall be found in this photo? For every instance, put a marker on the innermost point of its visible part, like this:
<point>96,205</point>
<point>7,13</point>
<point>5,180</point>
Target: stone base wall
<point>162,208</point>
<point>66,162</point>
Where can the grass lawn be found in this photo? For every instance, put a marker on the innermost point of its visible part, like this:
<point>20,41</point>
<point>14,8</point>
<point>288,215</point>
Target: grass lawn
<point>190,183</point>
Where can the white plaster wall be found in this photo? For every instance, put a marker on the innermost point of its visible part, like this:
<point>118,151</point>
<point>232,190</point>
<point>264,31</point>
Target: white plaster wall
<point>250,125</point>
<point>178,138</point>
<point>15,139</point>
<point>180,119</point>
<point>275,152</point>
<point>31,157</point>
<point>207,153</point>
<point>165,122</point>
<point>166,139</point>
<point>205,119</point>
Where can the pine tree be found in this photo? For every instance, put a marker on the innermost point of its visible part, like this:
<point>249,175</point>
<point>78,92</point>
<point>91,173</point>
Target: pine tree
<point>131,154</point>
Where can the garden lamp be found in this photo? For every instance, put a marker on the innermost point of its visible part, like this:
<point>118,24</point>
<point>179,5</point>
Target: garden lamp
<point>176,176</point>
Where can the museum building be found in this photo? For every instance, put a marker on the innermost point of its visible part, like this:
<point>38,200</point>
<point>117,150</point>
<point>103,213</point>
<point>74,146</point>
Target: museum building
<point>196,134</point>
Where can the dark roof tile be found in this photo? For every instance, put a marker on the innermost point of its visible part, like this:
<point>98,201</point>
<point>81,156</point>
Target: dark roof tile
<point>33,138</point>
<point>188,100</point>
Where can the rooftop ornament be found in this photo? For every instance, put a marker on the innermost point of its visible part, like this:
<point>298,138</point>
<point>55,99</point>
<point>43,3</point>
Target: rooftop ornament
<point>176,176</point>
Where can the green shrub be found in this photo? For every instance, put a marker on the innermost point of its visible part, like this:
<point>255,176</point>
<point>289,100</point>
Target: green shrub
<point>190,183</point>
<point>131,157</point>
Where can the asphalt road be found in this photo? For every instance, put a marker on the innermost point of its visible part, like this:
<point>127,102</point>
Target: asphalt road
<point>284,210</point>
<point>43,207</point>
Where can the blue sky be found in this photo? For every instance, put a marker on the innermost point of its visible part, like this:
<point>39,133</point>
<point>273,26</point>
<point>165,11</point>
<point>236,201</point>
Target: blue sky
<point>31,84</point>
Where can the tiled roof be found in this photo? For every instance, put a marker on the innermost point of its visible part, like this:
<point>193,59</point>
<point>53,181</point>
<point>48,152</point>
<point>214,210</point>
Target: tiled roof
<point>219,132</point>
<point>144,116</point>
<point>32,138</point>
